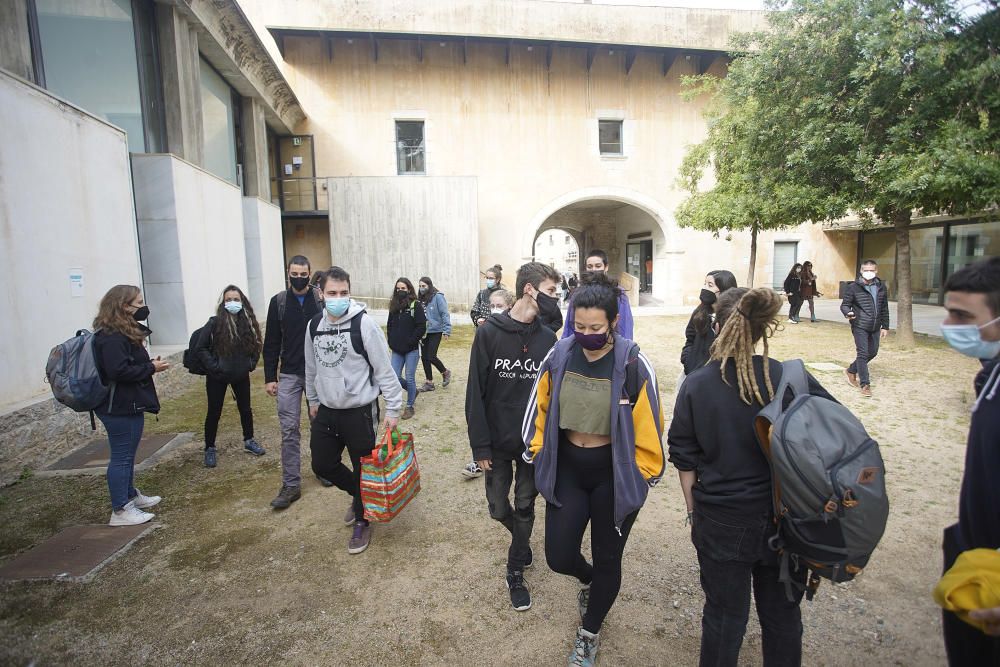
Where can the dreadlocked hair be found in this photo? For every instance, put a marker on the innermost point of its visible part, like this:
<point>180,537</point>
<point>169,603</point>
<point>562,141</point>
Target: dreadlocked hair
<point>746,316</point>
<point>239,333</point>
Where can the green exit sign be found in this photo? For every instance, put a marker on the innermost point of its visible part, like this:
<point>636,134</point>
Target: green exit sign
<point>296,141</point>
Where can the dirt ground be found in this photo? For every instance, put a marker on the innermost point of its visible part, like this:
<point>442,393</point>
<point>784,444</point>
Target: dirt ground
<point>227,580</point>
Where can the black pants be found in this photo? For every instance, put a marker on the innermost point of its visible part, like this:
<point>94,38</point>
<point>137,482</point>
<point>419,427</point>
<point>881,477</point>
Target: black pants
<point>866,343</point>
<point>334,430</point>
<point>519,519</point>
<point>216,391</point>
<point>964,644</point>
<point>585,488</point>
<point>429,355</point>
<point>735,559</point>
<point>794,306</point>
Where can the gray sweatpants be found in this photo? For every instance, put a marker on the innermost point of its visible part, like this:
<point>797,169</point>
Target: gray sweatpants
<point>291,391</point>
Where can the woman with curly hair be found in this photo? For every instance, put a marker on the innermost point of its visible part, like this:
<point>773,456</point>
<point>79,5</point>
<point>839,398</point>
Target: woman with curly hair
<point>125,366</point>
<point>726,481</point>
<point>229,347</point>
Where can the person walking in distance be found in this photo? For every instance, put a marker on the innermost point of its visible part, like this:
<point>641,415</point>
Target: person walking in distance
<point>347,366</point>
<point>593,432</point>
<point>506,354</point>
<point>597,262</point>
<point>866,307</point>
<point>793,290</point>
<point>288,313</point>
<point>122,359</point>
<point>438,326</point>
<point>405,327</point>
<point>809,291</point>
<point>972,327</point>
<point>701,330</point>
<point>481,306</point>
<point>726,483</point>
<point>229,347</point>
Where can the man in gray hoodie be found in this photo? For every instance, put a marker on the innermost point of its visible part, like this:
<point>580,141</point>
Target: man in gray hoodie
<point>347,366</point>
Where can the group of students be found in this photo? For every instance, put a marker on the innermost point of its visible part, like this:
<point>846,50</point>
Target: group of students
<point>577,420</point>
<point>800,288</point>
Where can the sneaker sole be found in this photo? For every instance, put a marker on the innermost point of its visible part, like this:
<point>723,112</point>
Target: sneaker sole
<point>356,550</point>
<point>146,507</point>
<point>524,608</point>
<point>254,453</point>
<point>471,475</point>
<point>130,523</point>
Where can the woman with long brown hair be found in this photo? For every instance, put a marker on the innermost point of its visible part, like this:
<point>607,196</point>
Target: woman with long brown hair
<point>125,366</point>
<point>229,347</point>
<point>405,328</point>
<point>726,481</point>
<point>809,291</point>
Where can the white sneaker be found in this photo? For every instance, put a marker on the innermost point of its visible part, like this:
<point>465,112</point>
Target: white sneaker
<point>129,515</point>
<point>145,502</point>
<point>791,321</point>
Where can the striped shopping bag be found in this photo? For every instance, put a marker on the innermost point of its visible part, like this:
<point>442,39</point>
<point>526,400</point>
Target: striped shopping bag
<point>390,477</point>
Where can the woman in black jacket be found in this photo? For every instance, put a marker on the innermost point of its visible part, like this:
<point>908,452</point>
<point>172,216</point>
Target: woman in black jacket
<point>406,327</point>
<point>793,290</point>
<point>700,331</point>
<point>124,365</point>
<point>726,482</point>
<point>229,347</point>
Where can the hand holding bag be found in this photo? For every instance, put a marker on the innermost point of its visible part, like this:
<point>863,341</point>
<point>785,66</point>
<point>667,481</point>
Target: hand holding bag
<point>390,477</point>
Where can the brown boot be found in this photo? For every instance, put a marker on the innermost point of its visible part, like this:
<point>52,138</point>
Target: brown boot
<point>852,378</point>
<point>866,391</point>
<point>407,412</point>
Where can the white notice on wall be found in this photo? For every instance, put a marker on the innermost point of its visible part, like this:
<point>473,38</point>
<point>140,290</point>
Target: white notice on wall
<point>297,161</point>
<point>76,282</point>
<point>288,170</point>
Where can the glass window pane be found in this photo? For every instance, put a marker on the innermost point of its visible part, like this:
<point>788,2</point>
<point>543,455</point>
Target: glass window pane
<point>410,147</point>
<point>610,136</point>
<point>220,126</point>
<point>971,243</point>
<point>88,51</point>
<point>926,248</point>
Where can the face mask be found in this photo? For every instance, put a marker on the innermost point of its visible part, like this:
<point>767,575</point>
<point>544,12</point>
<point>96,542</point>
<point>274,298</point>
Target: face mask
<point>496,310</point>
<point>707,296</point>
<point>490,283</point>
<point>594,341</point>
<point>422,290</point>
<point>402,292</point>
<point>868,275</point>
<point>141,314</point>
<point>299,283</point>
<point>965,338</point>
<point>547,305</point>
<point>338,307</point>
<point>233,306</point>
<point>798,271</point>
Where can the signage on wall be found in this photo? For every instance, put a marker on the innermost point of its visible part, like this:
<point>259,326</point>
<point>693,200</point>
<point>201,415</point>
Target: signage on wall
<point>76,282</point>
<point>296,141</point>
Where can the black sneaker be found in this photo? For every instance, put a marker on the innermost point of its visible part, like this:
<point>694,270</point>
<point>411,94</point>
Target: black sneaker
<point>520,598</point>
<point>210,457</point>
<point>324,481</point>
<point>253,447</point>
<point>285,497</point>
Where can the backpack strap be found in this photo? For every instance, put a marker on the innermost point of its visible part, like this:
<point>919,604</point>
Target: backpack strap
<point>632,384</point>
<point>357,342</point>
<point>793,376</point>
<point>282,298</point>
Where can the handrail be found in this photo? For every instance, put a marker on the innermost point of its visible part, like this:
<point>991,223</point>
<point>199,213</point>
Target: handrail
<point>300,193</point>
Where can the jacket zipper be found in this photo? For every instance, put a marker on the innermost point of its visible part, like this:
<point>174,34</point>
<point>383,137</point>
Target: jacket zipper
<point>791,460</point>
<point>865,446</point>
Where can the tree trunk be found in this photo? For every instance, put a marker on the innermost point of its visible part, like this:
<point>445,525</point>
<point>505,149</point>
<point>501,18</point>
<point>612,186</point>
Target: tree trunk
<point>904,286</point>
<point>753,254</point>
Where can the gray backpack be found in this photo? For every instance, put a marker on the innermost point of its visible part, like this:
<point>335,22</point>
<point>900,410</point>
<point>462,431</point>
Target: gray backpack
<point>72,374</point>
<point>827,482</point>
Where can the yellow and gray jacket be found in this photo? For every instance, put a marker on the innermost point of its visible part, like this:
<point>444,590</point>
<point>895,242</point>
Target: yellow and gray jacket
<point>636,425</point>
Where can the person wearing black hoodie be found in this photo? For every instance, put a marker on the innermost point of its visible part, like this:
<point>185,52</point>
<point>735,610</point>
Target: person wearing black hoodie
<point>972,327</point>
<point>229,347</point>
<point>866,307</point>
<point>405,328</point>
<point>700,331</point>
<point>288,313</point>
<point>506,355</point>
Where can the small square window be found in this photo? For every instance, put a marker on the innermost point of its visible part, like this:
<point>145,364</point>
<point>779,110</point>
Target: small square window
<point>610,136</point>
<point>410,147</point>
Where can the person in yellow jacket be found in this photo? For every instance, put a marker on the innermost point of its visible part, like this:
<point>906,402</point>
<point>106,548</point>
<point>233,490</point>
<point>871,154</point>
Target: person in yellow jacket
<point>593,431</point>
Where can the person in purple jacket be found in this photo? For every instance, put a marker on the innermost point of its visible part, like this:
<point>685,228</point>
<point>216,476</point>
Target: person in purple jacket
<point>597,262</point>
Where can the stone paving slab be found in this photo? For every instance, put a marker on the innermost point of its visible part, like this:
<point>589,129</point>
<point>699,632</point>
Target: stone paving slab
<point>92,457</point>
<point>75,554</point>
<point>825,367</point>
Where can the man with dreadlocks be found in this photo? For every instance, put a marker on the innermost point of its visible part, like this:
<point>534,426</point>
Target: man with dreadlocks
<point>726,482</point>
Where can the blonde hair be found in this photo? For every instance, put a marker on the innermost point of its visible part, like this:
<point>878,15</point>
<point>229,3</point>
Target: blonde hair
<point>507,297</point>
<point>746,317</point>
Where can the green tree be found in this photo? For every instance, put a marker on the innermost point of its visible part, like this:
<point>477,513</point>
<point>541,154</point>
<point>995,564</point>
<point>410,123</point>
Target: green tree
<point>880,108</point>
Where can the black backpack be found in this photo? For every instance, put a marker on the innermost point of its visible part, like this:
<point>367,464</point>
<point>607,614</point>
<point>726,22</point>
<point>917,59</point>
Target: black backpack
<point>191,360</point>
<point>357,342</point>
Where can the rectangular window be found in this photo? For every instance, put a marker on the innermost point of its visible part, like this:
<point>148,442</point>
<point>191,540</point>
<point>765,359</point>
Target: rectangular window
<point>410,147</point>
<point>610,136</point>
<point>219,115</point>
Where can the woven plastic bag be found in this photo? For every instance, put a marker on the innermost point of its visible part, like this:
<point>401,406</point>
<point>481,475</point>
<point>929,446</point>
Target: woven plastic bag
<point>390,477</point>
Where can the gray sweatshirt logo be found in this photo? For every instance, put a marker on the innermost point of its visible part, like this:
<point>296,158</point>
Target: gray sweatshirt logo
<point>331,350</point>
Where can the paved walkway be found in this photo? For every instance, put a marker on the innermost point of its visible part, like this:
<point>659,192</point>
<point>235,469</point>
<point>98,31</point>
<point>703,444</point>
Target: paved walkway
<point>926,319</point>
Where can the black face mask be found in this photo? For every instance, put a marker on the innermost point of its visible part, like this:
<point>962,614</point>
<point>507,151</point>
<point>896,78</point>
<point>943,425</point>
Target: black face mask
<point>403,292</point>
<point>299,283</point>
<point>708,297</point>
<point>141,314</point>
<point>547,305</point>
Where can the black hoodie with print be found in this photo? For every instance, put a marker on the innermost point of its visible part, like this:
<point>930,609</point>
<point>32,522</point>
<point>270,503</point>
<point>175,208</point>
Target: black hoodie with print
<point>503,365</point>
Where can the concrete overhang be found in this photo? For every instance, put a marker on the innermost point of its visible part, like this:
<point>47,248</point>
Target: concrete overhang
<point>534,21</point>
<point>229,42</point>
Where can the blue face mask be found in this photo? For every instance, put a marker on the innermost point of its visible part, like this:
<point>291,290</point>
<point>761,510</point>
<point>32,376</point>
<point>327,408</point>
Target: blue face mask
<point>967,339</point>
<point>490,283</point>
<point>338,307</point>
<point>233,306</point>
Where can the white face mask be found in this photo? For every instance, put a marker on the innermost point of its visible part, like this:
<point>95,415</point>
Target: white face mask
<point>868,275</point>
<point>496,310</point>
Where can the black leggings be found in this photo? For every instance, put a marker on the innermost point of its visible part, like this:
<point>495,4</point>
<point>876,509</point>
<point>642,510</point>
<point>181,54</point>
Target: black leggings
<point>216,390</point>
<point>429,355</point>
<point>585,487</point>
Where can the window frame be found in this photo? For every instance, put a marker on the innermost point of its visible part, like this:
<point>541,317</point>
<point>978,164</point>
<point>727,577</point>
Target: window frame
<point>621,137</point>
<point>423,145</point>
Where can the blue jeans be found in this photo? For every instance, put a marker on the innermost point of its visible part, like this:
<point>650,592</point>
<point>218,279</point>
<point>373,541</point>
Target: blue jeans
<point>734,559</point>
<point>409,360</point>
<point>124,433</point>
